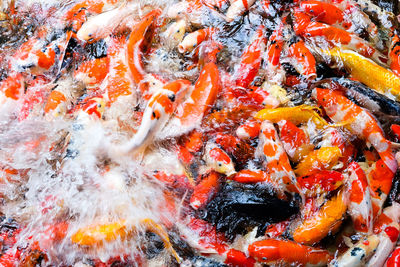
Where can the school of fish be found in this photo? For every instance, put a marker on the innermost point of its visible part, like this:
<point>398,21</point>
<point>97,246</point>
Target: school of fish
<point>199,133</point>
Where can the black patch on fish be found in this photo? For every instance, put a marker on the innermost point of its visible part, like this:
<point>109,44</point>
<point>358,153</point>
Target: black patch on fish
<point>239,207</point>
<point>394,195</point>
<point>186,252</point>
<point>324,71</point>
<point>355,251</point>
<point>172,98</point>
<point>388,5</point>
<point>289,69</point>
<point>97,49</point>
<point>386,105</point>
<point>155,245</point>
<point>200,261</point>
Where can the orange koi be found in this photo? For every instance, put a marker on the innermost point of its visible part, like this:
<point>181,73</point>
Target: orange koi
<point>273,251</point>
<point>13,86</point>
<point>321,159</point>
<point>394,55</point>
<point>141,37</point>
<point>327,218</point>
<point>322,11</point>
<point>249,176</point>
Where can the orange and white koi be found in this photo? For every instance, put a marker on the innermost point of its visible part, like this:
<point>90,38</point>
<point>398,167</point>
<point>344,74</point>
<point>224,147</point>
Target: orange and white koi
<point>118,81</point>
<point>250,60</point>
<point>157,112</point>
<point>360,206</point>
<point>272,251</point>
<point>333,137</point>
<point>303,60</point>
<point>360,122</point>
<point>102,25</point>
<point>237,8</point>
<point>321,182</point>
<point>380,179</point>
<point>322,11</point>
<point>210,242</point>
<point>205,190</point>
<point>387,230</point>
<point>275,159</point>
<point>273,54</point>
<point>269,97</point>
<point>307,28</point>
<point>250,129</point>
<point>218,160</point>
<point>295,141</point>
<point>190,113</point>
<point>193,39</point>
<point>93,72</point>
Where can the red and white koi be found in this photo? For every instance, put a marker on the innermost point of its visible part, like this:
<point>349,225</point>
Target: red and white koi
<point>218,160</point>
<point>250,129</point>
<point>360,204</point>
<point>359,121</point>
<point>295,141</point>
<point>394,259</point>
<point>275,159</point>
<point>307,28</point>
<point>157,112</point>
<point>387,230</point>
<point>205,189</point>
<point>237,8</point>
<point>193,39</point>
<point>250,60</point>
<point>302,60</point>
<point>102,25</point>
<point>190,113</point>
